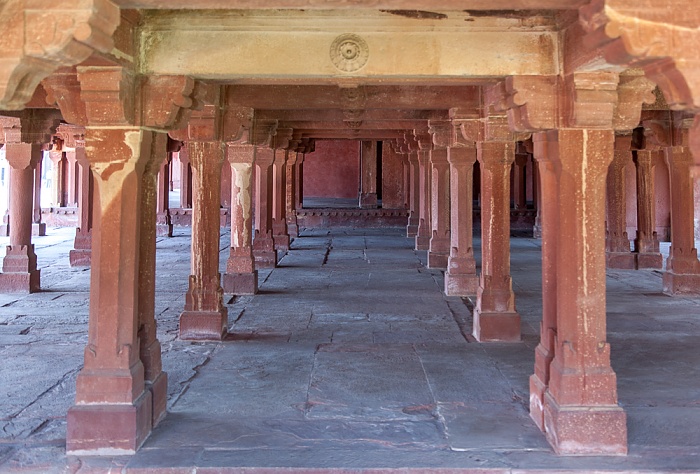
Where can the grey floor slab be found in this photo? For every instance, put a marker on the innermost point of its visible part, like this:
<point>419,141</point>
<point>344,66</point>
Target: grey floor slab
<point>349,358</point>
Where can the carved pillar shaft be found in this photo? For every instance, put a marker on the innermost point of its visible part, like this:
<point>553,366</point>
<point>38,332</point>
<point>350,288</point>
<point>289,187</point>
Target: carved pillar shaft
<point>263,243</point>
<point>617,243</point>
<point>299,180</point>
<point>424,225</point>
<point>581,414</point>
<point>185,179</point>
<point>646,243</point>
<point>519,176</point>
<point>38,227</point>
<point>291,194</point>
<point>80,255</point>
<point>57,158</point>
<point>414,195</point>
<point>150,352</point>
<point>205,316</point>
<point>241,277</point>
<point>71,195</point>
<point>164,226</point>
<point>461,278</point>
<point>111,386</point>
<point>19,272</point>
<point>682,275</point>
<point>495,318</point>
<point>548,171</point>
<point>439,250</point>
<point>368,174</point>
<point>280,235</point>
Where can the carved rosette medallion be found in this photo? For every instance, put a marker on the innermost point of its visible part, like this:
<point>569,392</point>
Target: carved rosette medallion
<point>349,52</point>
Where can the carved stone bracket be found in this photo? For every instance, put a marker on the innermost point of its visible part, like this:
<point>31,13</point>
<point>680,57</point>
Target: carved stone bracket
<point>48,37</point>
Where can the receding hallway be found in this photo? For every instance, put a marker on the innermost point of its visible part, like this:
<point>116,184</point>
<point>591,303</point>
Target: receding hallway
<point>351,357</point>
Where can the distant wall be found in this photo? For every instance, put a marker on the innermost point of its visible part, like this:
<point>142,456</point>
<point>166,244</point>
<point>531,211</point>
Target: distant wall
<point>332,170</point>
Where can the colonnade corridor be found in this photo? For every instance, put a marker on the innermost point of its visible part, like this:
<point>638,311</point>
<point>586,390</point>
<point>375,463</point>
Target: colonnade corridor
<point>349,357</point>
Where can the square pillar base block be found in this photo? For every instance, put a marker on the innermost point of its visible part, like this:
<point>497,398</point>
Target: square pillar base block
<point>281,242</point>
<point>422,243</point>
<point>620,260</point>
<point>240,283</point>
<point>496,326</point>
<point>411,230</point>
<point>649,260</point>
<point>164,230</point>
<point>39,229</point>
<point>437,260</point>
<point>11,282</point>
<point>80,257</point>
<point>457,284</point>
<point>104,430</point>
<point>203,325</point>
<point>681,283</point>
<point>585,430</point>
<point>265,258</point>
<point>159,398</point>
<point>537,391</point>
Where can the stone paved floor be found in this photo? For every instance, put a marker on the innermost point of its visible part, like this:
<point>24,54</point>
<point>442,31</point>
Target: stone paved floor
<point>350,358</point>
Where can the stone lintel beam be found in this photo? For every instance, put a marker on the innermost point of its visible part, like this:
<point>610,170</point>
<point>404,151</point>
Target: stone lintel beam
<point>353,134</point>
<point>355,125</point>
<point>408,8</point>
<point>337,115</point>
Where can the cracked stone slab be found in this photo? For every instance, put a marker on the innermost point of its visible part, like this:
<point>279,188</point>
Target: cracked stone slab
<point>369,382</point>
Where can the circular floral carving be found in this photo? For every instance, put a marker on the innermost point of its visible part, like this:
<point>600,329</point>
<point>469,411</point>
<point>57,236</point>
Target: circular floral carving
<point>349,52</point>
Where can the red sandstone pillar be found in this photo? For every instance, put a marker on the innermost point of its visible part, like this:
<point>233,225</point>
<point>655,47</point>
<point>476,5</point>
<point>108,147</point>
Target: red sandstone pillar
<point>548,171</point>
<point>646,244</point>
<point>495,317</point>
<point>439,250</point>
<point>185,179</point>
<point>38,227</point>
<point>519,176</point>
<point>205,317</point>
<point>368,174</point>
<point>581,414</point>
<point>537,228</point>
<point>617,244</point>
<point>263,243</point>
<point>82,246</point>
<point>291,194</point>
<point>280,236</point>
<point>113,407</point>
<point>71,195</point>
<point>57,158</point>
<point>461,278</point>
<point>19,272</point>
<point>424,225</point>
<point>156,381</point>
<point>682,275</point>
<point>164,226</point>
<point>414,194</point>
<point>299,182</point>
<point>241,277</point>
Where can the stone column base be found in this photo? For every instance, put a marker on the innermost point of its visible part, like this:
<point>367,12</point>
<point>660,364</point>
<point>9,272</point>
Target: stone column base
<point>496,326</point>
<point>39,229</point>
<point>411,230</point>
<point>422,243</point>
<point>106,430</point>
<point>681,283</point>
<point>620,260</point>
<point>265,258</point>
<point>368,200</point>
<point>537,391</point>
<point>293,229</point>
<point>461,284</point>
<point>80,257</point>
<point>240,283</point>
<point>281,242</point>
<point>159,398</point>
<point>20,282</point>
<point>437,260</point>
<point>585,430</point>
<point>164,230</point>
<point>203,325</point>
<point>649,260</point>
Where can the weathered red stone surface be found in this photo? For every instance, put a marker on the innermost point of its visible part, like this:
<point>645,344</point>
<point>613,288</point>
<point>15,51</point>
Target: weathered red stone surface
<point>368,174</point>
<point>332,170</point>
<point>424,190</point>
<point>617,244</point>
<point>495,317</point>
<point>646,242</point>
<point>263,243</point>
<point>205,316</point>
<point>439,250</point>
<point>80,255</point>
<point>241,277</point>
<point>280,235</point>
<point>392,177</point>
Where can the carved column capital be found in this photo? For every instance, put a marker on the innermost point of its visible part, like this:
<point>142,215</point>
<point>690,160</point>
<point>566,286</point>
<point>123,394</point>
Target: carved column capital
<point>441,133</point>
<point>263,132</point>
